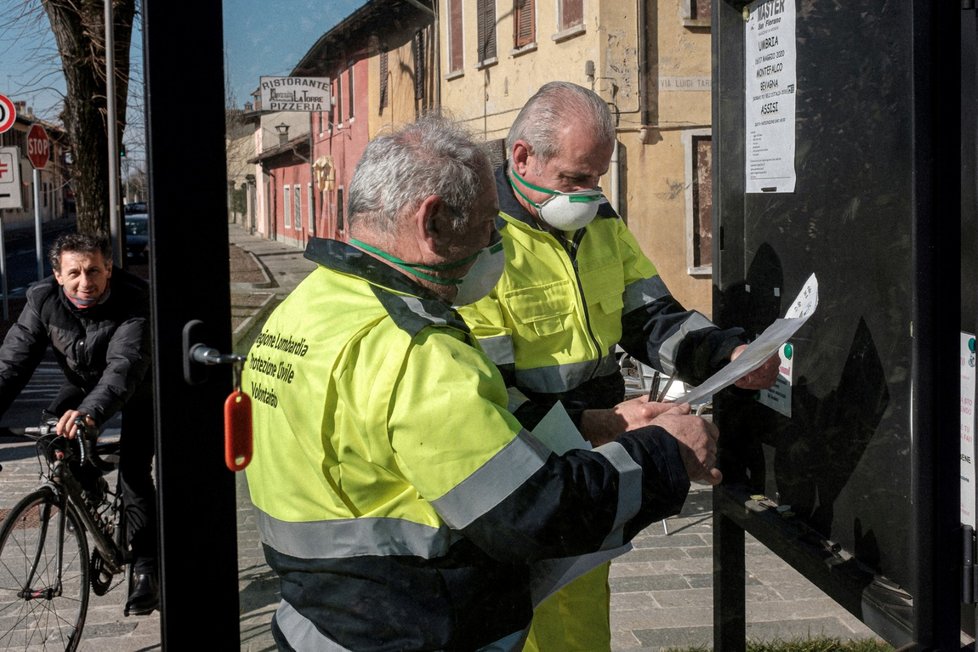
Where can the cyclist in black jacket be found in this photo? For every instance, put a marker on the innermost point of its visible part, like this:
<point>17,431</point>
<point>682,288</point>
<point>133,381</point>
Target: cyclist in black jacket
<point>96,320</point>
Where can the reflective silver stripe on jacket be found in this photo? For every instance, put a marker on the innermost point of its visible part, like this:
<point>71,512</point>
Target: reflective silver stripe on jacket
<point>643,292</point>
<point>346,538</point>
<point>303,635</point>
<point>667,352</point>
<point>629,490</point>
<point>565,377</point>
<point>415,306</point>
<point>516,399</point>
<point>499,349</point>
<point>492,482</point>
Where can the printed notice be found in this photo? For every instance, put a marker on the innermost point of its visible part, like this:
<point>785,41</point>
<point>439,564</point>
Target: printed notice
<point>769,97</point>
<point>968,429</point>
<point>757,352</point>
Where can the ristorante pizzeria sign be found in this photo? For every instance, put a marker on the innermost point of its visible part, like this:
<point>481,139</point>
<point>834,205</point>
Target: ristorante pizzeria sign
<point>301,94</point>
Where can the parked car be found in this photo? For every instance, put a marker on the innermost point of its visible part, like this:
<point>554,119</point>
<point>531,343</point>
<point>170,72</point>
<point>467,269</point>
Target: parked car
<point>137,237</point>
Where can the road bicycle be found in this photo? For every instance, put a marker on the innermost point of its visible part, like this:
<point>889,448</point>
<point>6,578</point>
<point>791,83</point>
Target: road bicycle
<point>46,571</point>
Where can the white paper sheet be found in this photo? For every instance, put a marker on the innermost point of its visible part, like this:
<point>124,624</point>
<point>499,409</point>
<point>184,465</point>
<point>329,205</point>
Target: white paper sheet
<point>758,351</point>
<point>558,432</point>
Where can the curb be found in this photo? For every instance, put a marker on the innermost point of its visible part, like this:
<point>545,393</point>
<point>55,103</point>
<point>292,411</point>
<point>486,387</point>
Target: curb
<point>268,282</point>
<point>259,314</point>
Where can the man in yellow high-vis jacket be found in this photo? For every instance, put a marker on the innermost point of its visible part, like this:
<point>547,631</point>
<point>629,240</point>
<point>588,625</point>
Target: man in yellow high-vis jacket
<point>576,285</point>
<point>401,504</point>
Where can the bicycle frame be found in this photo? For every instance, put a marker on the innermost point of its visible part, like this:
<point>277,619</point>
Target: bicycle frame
<point>71,489</point>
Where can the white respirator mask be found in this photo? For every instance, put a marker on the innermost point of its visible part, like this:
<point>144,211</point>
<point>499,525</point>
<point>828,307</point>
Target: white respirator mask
<point>567,211</point>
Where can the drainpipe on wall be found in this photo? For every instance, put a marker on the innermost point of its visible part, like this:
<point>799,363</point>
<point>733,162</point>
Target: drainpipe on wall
<point>615,179</point>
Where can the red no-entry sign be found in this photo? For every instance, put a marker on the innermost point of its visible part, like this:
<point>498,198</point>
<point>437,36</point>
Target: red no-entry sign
<point>38,147</point>
<point>8,114</point>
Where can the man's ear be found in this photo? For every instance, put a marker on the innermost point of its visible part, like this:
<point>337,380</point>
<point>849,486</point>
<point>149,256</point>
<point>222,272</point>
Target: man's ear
<point>521,152</point>
<point>432,224</point>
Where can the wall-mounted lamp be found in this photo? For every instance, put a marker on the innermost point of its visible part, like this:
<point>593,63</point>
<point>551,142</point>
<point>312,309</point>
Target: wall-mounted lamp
<point>283,133</point>
<point>589,70</point>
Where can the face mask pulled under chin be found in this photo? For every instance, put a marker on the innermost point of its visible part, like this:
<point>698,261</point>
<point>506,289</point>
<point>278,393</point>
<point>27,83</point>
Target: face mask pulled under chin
<point>477,282</point>
<point>567,211</point>
<point>482,276</point>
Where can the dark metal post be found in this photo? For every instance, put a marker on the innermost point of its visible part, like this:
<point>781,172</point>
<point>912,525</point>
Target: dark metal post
<point>729,581</point>
<point>190,281</point>
<point>936,323</point>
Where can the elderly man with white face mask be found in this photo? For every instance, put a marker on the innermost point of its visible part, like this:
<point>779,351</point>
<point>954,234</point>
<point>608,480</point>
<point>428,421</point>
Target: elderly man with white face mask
<point>401,504</point>
<point>577,285</point>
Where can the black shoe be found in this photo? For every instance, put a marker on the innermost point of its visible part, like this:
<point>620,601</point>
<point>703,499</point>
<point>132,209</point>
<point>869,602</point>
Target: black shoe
<point>145,596</point>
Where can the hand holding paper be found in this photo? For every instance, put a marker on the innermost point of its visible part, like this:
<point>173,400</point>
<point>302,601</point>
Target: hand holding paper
<point>760,350</point>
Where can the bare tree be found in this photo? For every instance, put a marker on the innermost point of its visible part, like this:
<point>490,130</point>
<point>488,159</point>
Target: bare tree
<point>79,30</point>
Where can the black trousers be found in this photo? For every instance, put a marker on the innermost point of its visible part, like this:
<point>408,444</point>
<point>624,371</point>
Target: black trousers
<point>135,469</point>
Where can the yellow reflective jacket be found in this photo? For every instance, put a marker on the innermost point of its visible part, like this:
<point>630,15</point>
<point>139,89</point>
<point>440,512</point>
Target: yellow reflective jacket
<point>565,301</point>
<point>401,504</point>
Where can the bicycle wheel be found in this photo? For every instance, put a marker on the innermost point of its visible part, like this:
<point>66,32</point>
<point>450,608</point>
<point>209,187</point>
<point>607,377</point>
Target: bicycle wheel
<point>42,604</point>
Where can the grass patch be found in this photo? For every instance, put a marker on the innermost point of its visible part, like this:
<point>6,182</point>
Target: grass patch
<point>804,645</point>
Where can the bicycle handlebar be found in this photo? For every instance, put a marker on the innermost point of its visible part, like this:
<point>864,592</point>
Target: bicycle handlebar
<point>88,452</point>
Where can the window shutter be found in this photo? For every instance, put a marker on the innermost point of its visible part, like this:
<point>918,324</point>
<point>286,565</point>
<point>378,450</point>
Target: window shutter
<point>571,13</point>
<point>419,67</point>
<point>383,79</point>
<point>525,27</point>
<point>487,29</point>
<point>455,35</point>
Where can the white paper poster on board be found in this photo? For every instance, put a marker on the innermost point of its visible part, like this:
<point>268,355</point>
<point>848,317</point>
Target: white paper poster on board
<point>769,97</point>
<point>968,429</point>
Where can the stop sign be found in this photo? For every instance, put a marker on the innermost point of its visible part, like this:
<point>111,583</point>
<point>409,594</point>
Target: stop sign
<point>38,146</point>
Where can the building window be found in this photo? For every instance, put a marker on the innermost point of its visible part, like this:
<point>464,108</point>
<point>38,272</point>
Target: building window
<point>383,80</point>
<point>350,94</point>
<point>697,144</point>
<point>339,209</point>
<point>696,13</point>
<point>332,107</point>
<point>287,206</point>
<point>487,30</point>
<point>338,105</point>
<point>312,213</point>
<point>455,59</point>
<point>297,207</point>
<point>419,68</point>
<point>322,122</point>
<point>525,23</point>
<point>571,14</point>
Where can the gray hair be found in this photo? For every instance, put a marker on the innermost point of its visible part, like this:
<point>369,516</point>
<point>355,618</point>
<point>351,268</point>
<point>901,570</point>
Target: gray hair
<point>545,114</point>
<point>433,156</point>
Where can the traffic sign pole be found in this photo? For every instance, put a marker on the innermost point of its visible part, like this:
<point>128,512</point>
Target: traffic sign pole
<point>38,151</point>
<point>37,224</point>
<point>3,274</point>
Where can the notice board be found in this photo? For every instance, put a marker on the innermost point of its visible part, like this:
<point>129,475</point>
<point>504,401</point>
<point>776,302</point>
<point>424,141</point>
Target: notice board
<point>839,149</point>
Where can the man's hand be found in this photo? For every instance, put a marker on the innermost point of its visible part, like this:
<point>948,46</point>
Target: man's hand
<point>601,426</point>
<point>762,377</point>
<point>66,424</point>
<point>697,439</point>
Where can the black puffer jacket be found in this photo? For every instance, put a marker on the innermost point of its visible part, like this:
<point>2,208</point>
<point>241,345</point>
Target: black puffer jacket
<point>104,350</point>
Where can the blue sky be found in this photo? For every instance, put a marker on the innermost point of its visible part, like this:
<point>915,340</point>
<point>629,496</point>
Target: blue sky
<point>268,37</point>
